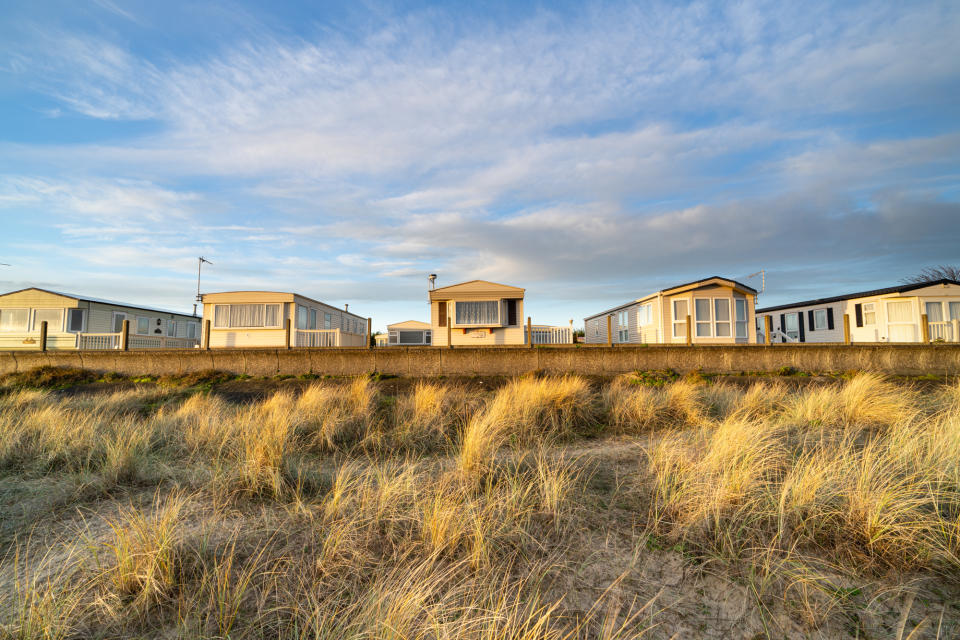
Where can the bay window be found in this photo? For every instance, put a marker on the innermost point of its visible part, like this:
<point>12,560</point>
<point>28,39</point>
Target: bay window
<point>482,312</point>
<point>246,315</point>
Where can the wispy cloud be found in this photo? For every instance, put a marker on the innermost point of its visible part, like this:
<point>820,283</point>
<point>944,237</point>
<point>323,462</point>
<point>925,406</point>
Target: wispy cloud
<point>615,144</point>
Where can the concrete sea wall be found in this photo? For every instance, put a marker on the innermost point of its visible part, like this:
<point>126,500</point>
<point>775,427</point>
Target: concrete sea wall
<point>896,359</point>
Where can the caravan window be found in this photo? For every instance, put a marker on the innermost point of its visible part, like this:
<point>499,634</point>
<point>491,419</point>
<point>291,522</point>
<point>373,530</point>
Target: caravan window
<point>246,315</point>
<point>680,313</point>
<point>143,325</point>
<point>75,318</point>
<point>486,312</point>
<point>741,309</point>
<point>54,318</point>
<point>819,319</point>
<point>721,315</point>
<point>869,313</point>
<point>13,319</point>
<point>791,326</point>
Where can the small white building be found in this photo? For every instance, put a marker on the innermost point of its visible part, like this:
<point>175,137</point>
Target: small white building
<point>893,314</point>
<point>81,322</point>
<point>410,333</point>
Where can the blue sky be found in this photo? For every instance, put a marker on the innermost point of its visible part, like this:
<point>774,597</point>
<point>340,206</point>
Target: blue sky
<point>589,152</point>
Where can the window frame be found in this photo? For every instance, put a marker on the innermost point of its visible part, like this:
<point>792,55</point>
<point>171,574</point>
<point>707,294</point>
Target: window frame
<point>645,309</point>
<point>26,320</point>
<point>192,327</point>
<point>171,328</point>
<point>497,304</point>
<point>717,322</point>
<point>819,314</point>
<point>697,321</point>
<point>83,320</point>
<point>738,323</point>
<point>229,311</point>
<point>623,326</point>
<point>147,320</point>
<point>872,311</point>
<point>122,315</point>
<point>787,332</point>
<point>52,328</point>
<point>681,322</point>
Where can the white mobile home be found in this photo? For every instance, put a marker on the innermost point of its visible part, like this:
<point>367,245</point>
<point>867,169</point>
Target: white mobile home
<point>720,311</point>
<point>81,322</point>
<point>893,314</point>
<point>260,319</point>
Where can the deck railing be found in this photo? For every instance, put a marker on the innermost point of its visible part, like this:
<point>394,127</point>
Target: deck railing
<point>112,341</point>
<point>317,338</point>
<point>944,331</point>
<point>552,335</point>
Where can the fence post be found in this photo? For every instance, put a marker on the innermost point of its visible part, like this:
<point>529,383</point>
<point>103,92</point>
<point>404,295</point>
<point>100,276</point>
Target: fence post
<point>846,328</point>
<point>956,329</point>
<point>449,329</point>
<point>125,336</point>
<point>369,333</point>
<point>767,330</point>
<point>43,335</point>
<point>206,335</point>
<point>609,330</point>
<point>530,331</point>
<point>287,328</point>
<point>924,329</point>
<point>689,331</point>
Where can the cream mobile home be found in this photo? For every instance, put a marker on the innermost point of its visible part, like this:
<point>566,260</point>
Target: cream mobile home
<point>720,311</point>
<point>81,322</point>
<point>261,319</point>
<point>477,313</point>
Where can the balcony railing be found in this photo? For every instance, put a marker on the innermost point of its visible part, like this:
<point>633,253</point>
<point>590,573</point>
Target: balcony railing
<point>317,338</point>
<point>947,331</point>
<point>552,335</point>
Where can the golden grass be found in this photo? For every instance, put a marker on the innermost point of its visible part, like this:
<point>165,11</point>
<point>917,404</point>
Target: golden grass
<point>442,513</point>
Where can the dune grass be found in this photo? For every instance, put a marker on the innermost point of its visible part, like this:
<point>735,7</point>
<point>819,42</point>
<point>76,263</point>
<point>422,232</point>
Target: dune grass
<point>341,512</point>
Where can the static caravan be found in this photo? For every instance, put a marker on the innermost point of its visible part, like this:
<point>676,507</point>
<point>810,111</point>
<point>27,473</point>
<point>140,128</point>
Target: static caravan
<point>260,318</point>
<point>81,322</point>
<point>720,311</point>
<point>409,333</point>
<point>893,314</point>
<point>477,313</point>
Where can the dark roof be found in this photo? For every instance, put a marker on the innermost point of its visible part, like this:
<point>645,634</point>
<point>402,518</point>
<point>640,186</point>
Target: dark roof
<point>101,301</point>
<point>860,294</point>
<point>678,286</point>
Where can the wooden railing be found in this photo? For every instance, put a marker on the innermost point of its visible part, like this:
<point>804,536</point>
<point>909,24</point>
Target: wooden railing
<point>317,338</point>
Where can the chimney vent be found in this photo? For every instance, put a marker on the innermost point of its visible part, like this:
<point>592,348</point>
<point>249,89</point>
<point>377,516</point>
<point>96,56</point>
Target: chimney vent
<point>346,307</point>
